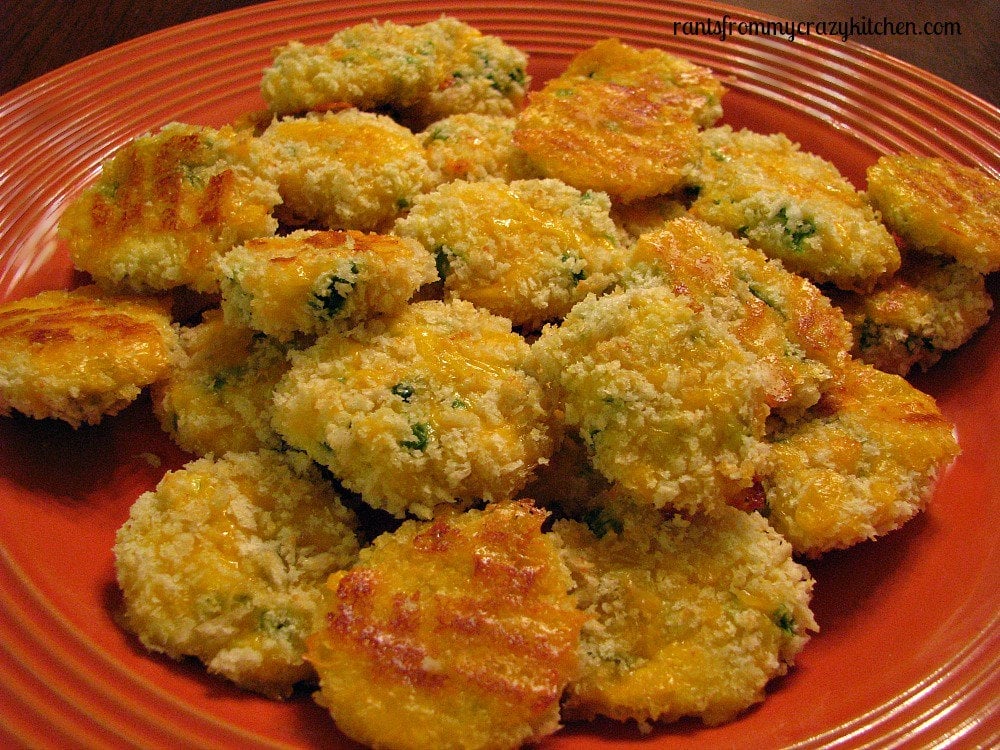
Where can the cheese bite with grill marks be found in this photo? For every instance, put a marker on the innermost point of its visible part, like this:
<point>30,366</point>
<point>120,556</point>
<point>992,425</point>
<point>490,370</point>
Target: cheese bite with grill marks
<point>306,282</point>
<point>219,397</point>
<point>940,207</point>
<point>225,561</point>
<point>793,205</point>
<point>689,617</point>
<point>430,406</point>
<point>454,633</point>
<point>528,250</point>
<point>669,402</point>
<point>860,465</point>
<point>345,170</point>
<point>423,72</point>
<point>931,306</point>
<point>81,355</point>
<point>620,120</point>
<point>797,335</point>
<point>166,206</point>
<point>475,147</point>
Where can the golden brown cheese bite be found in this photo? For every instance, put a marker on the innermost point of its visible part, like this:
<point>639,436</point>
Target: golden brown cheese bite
<point>475,147</point>
<point>861,464</point>
<point>689,617</point>
<point>225,560</point>
<point>306,282</point>
<point>781,317</point>
<point>345,170</point>
<point>80,355</point>
<point>164,208</point>
<point>430,406</point>
<point>528,250</point>
<point>940,207</point>
<point>670,403</point>
<point>455,633</point>
<point>424,72</point>
<point>931,306</point>
<point>620,120</point>
<point>219,397</point>
<point>793,205</point>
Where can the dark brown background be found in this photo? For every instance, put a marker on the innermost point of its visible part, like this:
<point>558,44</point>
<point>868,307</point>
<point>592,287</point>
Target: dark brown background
<point>41,35</point>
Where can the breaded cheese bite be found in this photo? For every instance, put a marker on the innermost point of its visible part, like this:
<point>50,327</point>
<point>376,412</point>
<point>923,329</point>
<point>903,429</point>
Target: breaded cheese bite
<point>430,406</point>
<point>424,72</point>
<point>225,561</point>
<point>81,355</point>
<point>307,281</point>
<point>782,318</point>
<point>454,633</point>
<point>219,398</point>
<point>475,147</point>
<point>166,205</point>
<point>931,306</point>
<point>528,250</point>
<point>669,402</point>
<point>688,617</point>
<point>345,170</point>
<point>793,205</point>
<point>860,465</point>
<point>940,207</point>
<point>620,120</point>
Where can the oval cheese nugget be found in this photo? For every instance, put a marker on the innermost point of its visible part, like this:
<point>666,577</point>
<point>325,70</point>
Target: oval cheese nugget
<point>455,633</point>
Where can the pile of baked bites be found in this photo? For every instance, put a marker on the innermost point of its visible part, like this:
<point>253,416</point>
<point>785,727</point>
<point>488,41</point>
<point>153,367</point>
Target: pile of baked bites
<point>506,409</point>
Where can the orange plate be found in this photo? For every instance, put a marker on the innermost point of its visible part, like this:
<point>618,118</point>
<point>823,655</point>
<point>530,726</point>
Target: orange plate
<point>909,651</point>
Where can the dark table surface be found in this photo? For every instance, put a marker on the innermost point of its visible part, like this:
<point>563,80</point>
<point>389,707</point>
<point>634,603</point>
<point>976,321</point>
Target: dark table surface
<point>41,35</point>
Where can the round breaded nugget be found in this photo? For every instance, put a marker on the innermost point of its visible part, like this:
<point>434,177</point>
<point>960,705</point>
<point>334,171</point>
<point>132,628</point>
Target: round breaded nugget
<point>164,208</point>
<point>219,398</point>
<point>670,404</point>
<point>689,617</point>
<point>475,147</point>
<point>620,120</point>
<point>306,282</point>
<point>931,306</point>
<point>425,72</point>
<point>528,250</point>
<point>779,316</point>
<point>346,170</point>
<point>456,633</point>
<point>939,206</point>
<point>225,560</point>
<point>793,205</point>
<point>861,464</point>
<point>80,355</point>
<point>431,406</point>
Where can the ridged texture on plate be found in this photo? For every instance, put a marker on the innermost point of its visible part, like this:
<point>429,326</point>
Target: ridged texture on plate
<point>65,682</point>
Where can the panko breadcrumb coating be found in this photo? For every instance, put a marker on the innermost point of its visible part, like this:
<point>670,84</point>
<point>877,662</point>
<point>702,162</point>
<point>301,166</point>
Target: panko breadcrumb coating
<point>641,216</point>
<point>225,560</point>
<point>793,205</point>
<point>475,147</point>
<point>861,464</point>
<point>620,120</point>
<point>940,207</point>
<point>346,170</point>
<point>424,72</point>
<point>782,318</point>
<point>81,355</point>
<point>456,633</point>
<point>670,403</point>
<point>307,281</point>
<point>528,250</point>
<point>688,617</point>
<point>430,406</point>
<point>164,208</point>
<point>219,398</point>
<point>931,306</point>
